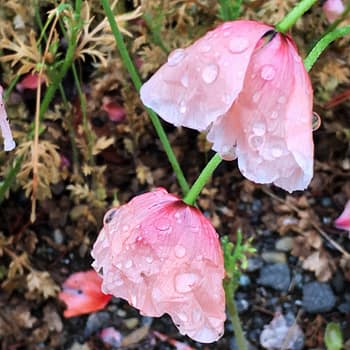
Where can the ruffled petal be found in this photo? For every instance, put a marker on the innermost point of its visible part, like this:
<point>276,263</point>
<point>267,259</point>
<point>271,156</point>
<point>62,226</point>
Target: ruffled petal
<point>199,83</point>
<point>343,221</point>
<point>164,257</point>
<point>9,143</point>
<point>270,122</point>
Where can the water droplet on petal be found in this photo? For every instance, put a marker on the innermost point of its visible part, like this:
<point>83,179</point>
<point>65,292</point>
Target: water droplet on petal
<point>210,73</point>
<point>276,152</point>
<point>256,96</point>
<point>259,128</point>
<point>125,228</point>
<point>183,107</point>
<point>184,81</point>
<point>256,141</point>
<point>185,282</point>
<point>133,300</point>
<point>274,115</point>
<point>180,251</point>
<point>182,317</point>
<point>149,259</point>
<point>204,48</point>
<point>162,224</point>
<point>268,72</point>
<point>196,315</point>
<point>316,121</point>
<point>238,44</point>
<point>227,98</point>
<point>176,57</point>
<point>226,33</point>
<point>128,264</point>
<point>282,99</point>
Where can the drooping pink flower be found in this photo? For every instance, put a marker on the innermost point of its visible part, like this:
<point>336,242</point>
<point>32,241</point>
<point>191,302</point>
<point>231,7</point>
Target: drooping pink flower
<point>248,86</point>
<point>30,82</point>
<point>9,143</point>
<point>82,294</point>
<point>343,221</point>
<point>333,9</point>
<point>164,256</point>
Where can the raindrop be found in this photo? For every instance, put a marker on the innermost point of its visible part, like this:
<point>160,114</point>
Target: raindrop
<point>162,224</point>
<point>176,57</point>
<point>184,81</point>
<point>149,259</point>
<point>282,99</point>
<point>274,115</point>
<point>210,73</point>
<point>183,107</point>
<point>133,300</point>
<point>128,264</point>
<point>227,98</point>
<point>316,121</point>
<point>255,141</point>
<point>182,317</point>
<point>225,149</point>
<point>184,282</point>
<point>125,228</point>
<point>238,44</point>
<point>259,128</point>
<point>256,96</point>
<point>180,251</point>
<point>268,72</point>
<point>204,48</point>
<point>226,33</point>
<point>276,152</point>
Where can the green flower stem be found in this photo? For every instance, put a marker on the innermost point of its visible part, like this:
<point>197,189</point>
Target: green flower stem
<point>236,323</point>
<point>322,44</point>
<point>206,173</point>
<point>137,83</point>
<point>288,21</point>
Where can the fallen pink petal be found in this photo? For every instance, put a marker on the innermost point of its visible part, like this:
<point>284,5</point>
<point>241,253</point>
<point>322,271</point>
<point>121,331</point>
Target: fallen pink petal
<point>333,9</point>
<point>82,294</point>
<point>343,221</point>
<point>9,143</point>
<point>247,85</point>
<point>30,81</point>
<point>164,256</point>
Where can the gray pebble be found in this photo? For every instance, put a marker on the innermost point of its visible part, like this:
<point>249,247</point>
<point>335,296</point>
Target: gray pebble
<point>318,297</point>
<point>284,244</point>
<point>274,257</point>
<point>254,264</point>
<point>276,276</point>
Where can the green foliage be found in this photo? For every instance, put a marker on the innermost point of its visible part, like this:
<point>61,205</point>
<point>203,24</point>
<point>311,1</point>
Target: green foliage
<point>229,10</point>
<point>235,258</point>
<point>333,336</point>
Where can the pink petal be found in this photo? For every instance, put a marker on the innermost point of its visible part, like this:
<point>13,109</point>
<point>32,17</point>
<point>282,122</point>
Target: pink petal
<point>9,143</point>
<point>343,221</point>
<point>82,294</point>
<point>269,125</point>
<point>164,257</point>
<point>333,9</point>
<point>199,83</point>
<point>30,82</point>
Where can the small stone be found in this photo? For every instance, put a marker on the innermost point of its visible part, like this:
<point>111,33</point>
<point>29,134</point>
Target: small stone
<point>274,257</point>
<point>276,276</point>
<point>318,297</point>
<point>344,308</point>
<point>242,305</point>
<point>58,236</point>
<point>244,281</point>
<point>254,264</point>
<point>284,244</point>
<point>95,322</point>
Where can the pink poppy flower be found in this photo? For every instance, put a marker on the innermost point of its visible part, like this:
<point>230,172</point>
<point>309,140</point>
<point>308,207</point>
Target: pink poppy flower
<point>82,294</point>
<point>343,221</point>
<point>9,143</point>
<point>333,9</point>
<point>248,86</point>
<point>164,256</point>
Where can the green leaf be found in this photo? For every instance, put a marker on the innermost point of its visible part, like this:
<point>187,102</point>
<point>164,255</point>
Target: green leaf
<point>333,336</point>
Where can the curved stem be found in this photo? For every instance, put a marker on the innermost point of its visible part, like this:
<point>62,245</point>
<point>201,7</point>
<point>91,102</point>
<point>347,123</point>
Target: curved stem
<point>137,83</point>
<point>322,44</point>
<point>288,21</point>
<point>197,187</point>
